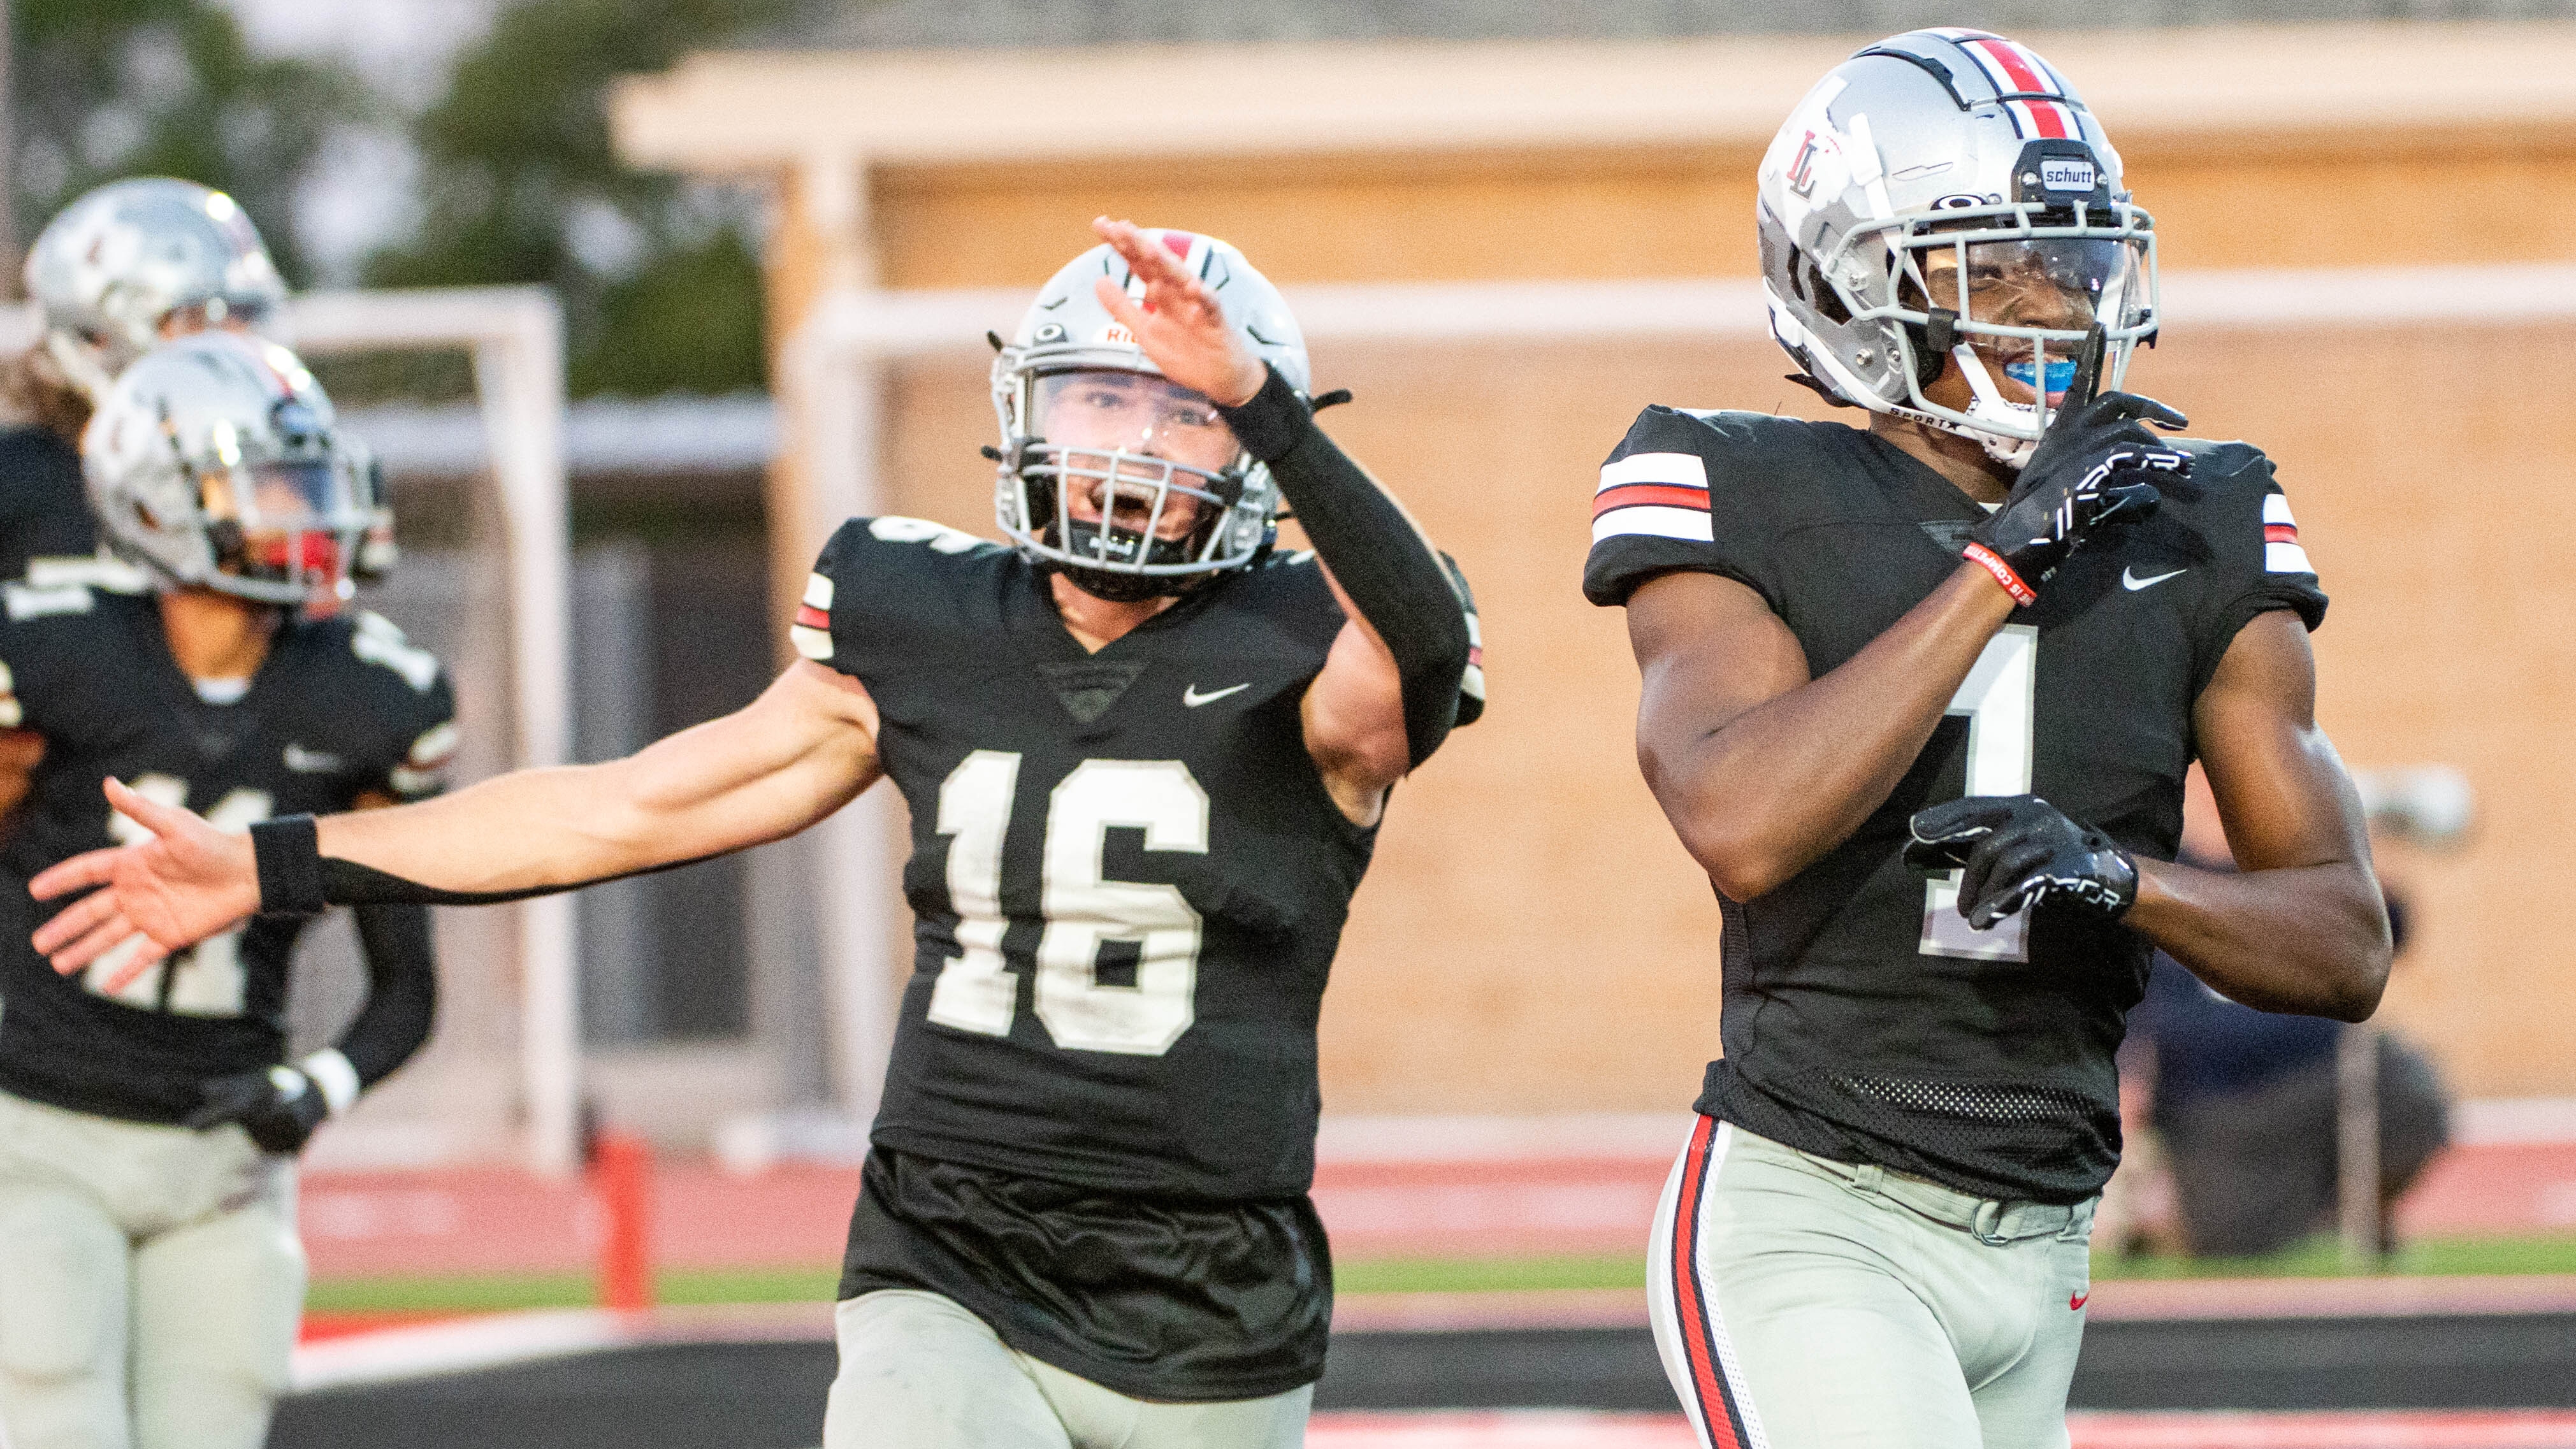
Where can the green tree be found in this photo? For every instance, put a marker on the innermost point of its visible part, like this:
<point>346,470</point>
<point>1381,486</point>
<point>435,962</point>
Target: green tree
<point>659,277</point>
<point>110,88</point>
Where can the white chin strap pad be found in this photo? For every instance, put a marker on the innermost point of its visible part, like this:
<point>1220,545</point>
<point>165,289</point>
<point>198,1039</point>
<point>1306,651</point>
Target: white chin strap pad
<point>2004,448</point>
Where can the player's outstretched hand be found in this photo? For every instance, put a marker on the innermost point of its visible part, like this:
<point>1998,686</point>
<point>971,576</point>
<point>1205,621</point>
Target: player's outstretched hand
<point>2018,850</point>
<point>278,1107</point>
<point>1179,324</point>
<point>2093,472</point>
<point>186,883</point>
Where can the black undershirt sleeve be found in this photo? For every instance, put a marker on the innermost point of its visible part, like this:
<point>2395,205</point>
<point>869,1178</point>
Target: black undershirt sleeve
<point>402,991</point>
<point>1392,575</point>
<point>296,879</point>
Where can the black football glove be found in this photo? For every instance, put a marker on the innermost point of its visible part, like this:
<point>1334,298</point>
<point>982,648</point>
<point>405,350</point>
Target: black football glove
<point>279,1107</point>
<point>2018,850</point>
<point>2092,472</point>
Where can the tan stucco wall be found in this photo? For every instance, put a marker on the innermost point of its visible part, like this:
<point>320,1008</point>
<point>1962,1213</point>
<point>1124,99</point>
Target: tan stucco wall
<point>2366,200</point>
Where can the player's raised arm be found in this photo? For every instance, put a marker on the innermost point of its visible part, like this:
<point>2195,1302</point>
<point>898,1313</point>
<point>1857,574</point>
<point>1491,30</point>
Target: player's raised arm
<point>1390,691</point>
<point>791,757</point>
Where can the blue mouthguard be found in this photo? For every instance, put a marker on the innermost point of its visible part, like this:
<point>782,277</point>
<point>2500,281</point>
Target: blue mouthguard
<point>2061,374</point>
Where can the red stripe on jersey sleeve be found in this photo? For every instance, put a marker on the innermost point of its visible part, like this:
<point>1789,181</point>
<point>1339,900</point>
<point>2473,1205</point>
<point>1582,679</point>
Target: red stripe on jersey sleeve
<point>2280,533</point>
<point>1660,495</point>
<point>810,617</point>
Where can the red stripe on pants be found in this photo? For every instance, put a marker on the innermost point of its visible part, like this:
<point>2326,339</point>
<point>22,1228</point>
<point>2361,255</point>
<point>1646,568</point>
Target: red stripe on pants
<point>1699,1345</point>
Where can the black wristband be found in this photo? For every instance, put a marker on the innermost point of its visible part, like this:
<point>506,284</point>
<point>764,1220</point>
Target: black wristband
<point>1271,422</point>
<point>289,852</point>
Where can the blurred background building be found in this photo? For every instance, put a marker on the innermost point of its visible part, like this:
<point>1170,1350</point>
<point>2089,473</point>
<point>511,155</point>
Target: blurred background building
<point>2366,210</point>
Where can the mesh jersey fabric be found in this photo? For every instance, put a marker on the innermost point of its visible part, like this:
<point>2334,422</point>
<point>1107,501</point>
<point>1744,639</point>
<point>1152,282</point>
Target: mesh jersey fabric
<point>1173,1300</point>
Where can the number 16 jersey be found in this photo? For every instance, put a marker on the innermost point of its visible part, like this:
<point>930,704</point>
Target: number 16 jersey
<point>1127,878</point>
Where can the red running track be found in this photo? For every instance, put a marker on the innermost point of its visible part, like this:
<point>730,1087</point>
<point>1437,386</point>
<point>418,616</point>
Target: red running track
<point>494,1219</point>
<point>1551,1430</point>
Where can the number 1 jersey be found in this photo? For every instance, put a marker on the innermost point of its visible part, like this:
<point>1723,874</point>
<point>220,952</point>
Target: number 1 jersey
<point>1863,1020</point>
<point>1127,878</point>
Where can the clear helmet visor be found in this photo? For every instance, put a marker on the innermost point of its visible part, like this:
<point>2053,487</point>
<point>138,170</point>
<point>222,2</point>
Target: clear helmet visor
<point>1132,412</point>
<point>2026,305</point>
<point>293,523</point>
<point>1137,451</point>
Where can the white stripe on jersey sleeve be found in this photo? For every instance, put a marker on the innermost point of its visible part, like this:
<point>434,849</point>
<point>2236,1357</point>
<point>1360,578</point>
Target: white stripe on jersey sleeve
<point>818,591</point>
<point>1655,521</point>
<point>2276,509</point>
<point>1680,470</point>
<point>2286,558</point>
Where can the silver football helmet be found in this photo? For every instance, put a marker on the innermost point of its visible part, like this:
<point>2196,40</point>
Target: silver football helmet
<point>1127,482</point>
<point>1943,196</point>
<point>113,266</point>
<point>215,461</point>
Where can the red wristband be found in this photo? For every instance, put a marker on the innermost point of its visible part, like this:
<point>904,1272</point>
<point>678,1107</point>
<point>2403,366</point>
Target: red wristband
<point>1992,562</point>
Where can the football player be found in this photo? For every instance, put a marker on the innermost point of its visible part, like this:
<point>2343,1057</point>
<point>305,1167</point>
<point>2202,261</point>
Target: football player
<point>1920,697</point>
<point>1145,757</point>
<point>123,268</point>
<point>152,1278</point>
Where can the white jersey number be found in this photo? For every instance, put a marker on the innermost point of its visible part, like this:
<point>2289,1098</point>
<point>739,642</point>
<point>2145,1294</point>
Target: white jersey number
<point>1084,910</point>
<point>206,979</point>
<point>1997,697</point>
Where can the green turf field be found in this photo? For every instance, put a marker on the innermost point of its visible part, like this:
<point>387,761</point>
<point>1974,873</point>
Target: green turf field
<point>483,1294</point>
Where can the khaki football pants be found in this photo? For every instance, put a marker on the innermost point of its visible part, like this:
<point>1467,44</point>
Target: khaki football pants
<point>920,1372</point>
<point>150,1283</point>
<point>1800,1303</point>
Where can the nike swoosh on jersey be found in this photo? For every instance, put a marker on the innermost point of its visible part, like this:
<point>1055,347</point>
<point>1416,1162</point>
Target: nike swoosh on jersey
<point>310,762</point>
<point>2129,578</point>
<point>1192,699</point>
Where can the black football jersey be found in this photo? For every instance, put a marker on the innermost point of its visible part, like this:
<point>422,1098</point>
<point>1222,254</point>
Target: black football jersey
<point>1127,878</point>
<point>44,511</point>
<point>1863,1020</point>
<point>1128,882</point>
<point>339,708</point>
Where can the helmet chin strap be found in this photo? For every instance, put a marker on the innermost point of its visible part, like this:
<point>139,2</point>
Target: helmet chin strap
<point>2004,448</point>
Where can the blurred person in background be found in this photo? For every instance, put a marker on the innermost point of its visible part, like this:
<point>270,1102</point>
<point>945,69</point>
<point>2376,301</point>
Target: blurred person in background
<point>1920,698</point>
<point>1145,755</point>
<point>2243,1104</point>
<point>123,268</point>
<point>150,1273</point>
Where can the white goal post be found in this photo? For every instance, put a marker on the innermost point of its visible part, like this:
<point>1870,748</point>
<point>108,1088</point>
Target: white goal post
<point>832,397</point>
<point>515,337</point>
